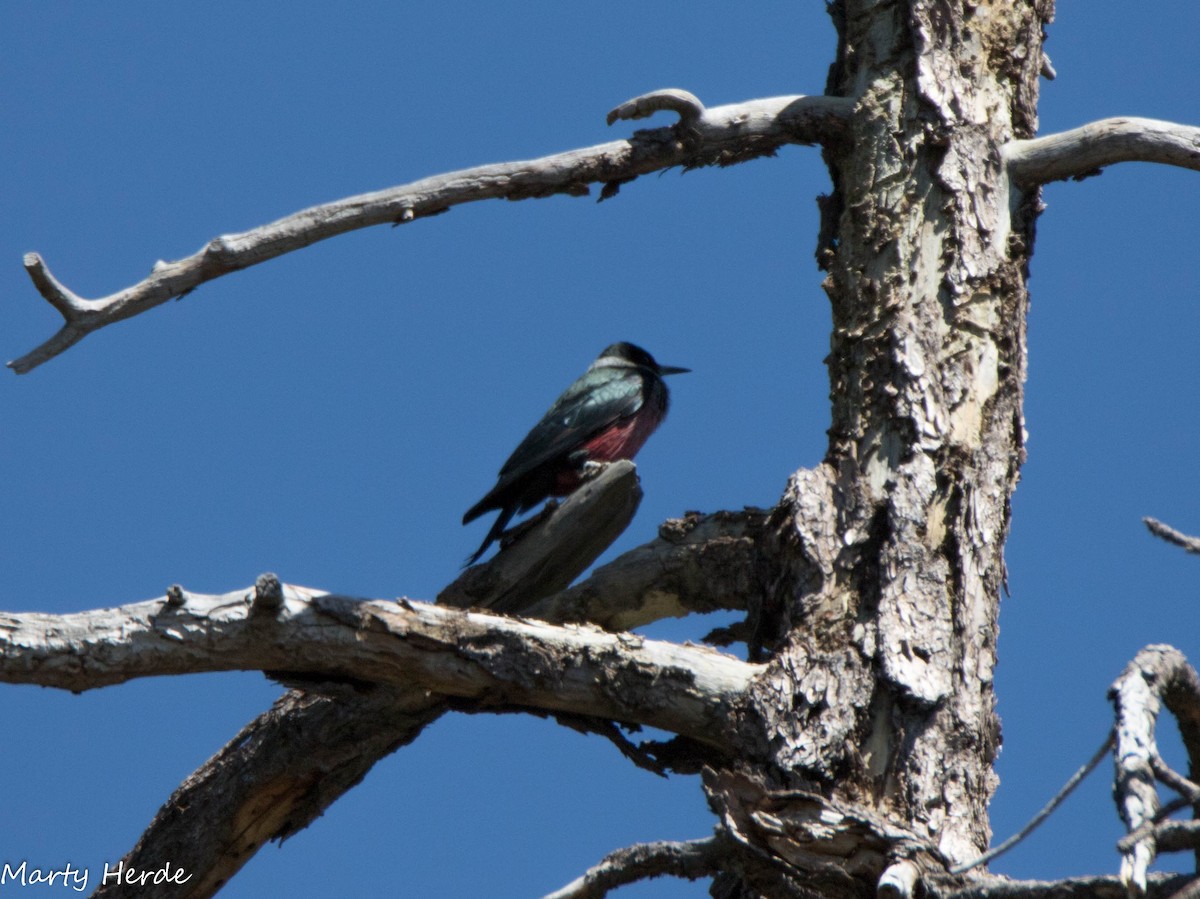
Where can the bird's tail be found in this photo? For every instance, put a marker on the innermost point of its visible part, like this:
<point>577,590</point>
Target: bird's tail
<point>493,535</point>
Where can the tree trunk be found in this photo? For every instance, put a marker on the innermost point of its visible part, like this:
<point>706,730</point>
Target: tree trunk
<point>883,605</point>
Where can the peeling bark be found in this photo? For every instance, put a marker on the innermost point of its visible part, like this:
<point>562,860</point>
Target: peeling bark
<point>700,563</point>
<point>584,670</point>
<point>881,689</point>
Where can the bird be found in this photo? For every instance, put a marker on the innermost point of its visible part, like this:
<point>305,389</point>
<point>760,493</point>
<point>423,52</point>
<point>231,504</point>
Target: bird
<point>605,415</point>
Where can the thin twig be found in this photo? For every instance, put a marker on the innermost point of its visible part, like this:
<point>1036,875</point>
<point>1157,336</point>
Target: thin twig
<point>1174,779</point>
<point>1168,533</point>
<point>691,859</point>
<point>1049,808</point>
<point>1150,828</point>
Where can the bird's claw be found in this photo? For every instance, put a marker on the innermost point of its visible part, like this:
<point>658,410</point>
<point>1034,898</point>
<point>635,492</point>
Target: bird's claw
<point>590,469</point>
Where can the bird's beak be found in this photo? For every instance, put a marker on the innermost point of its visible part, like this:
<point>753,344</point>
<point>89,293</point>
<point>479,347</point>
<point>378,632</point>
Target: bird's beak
<point>672,370</point>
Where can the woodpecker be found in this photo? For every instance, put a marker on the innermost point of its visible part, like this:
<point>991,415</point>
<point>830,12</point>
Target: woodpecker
<point>606,415</point>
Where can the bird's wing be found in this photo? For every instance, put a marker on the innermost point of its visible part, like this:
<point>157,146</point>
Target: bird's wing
<point>595,401</point>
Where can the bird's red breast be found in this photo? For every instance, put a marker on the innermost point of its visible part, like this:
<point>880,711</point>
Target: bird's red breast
<point>620,441</point>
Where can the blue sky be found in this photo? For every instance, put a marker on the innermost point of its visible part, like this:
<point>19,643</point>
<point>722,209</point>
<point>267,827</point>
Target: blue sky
<point>329,415</point>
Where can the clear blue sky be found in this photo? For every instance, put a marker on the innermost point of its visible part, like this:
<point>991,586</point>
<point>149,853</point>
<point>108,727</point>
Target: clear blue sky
<point>329,415</point>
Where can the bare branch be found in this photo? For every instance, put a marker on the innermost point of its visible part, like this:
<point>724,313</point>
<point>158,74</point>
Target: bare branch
<point>69,306</point>
<point>270,781</point>
<point>685,103</point>
<point>1173,779</point>
<point>700,563</point>
<point>1168,533</point>
<point>637,754</point>
<point>1190,890</point>
<point>718,136</point>
<point>691,859</point>
<point>1075,780</point>
<point>1084,151</point>
<point>1176,836</point>
<point>314,732</point>
<point>1156,674</point>
<point>898,881</point>
<point>1158,886</point>
<point>268,595</point>
<point>822,839</point>
<point>582,670</point>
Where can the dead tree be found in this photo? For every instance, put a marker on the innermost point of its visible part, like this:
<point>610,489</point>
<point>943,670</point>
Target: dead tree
<point>853,752</point>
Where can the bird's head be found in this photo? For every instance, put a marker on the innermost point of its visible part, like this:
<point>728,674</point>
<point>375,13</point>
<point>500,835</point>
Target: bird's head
<point>628,355</point>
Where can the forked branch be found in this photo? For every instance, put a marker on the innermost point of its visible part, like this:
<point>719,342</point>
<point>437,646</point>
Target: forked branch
<point>698,564</point>
<point>292,762</point>
<point>719,136</point>
<point>1158,675</point>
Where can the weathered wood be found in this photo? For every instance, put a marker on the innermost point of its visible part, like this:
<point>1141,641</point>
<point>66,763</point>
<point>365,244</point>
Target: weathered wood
<point>690,859</point>
<point>554,551</point>
<point>699,563</point>
<point>288,765</point>
<point>1159,886</point>
<point>1168,533</point>
<point>892,550</point>
<point>1157,675</point>
<point>1084,151</point>
<point>270,781</point>
<point>580,669</point>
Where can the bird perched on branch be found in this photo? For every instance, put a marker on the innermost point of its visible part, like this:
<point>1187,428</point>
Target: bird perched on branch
<point>606,415</point>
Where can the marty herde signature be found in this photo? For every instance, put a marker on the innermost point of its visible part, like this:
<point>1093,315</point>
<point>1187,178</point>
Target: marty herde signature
<point>77,878</point>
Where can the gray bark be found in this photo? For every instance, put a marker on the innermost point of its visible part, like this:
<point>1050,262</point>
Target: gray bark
<point>887,653</point>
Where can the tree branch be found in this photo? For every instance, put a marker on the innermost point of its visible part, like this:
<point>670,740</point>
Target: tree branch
<point>1045,812</point>
<point>271,781</point>
<point>1158,886</point>
<point>555,551</point>
<point>1083,151</point>
<point>722,135</point>
<point>898,881</point>
<point>322,738</point>
<point>691,859</point>
<point>583,670</point>
<point>699,563</point>
<point>824,842</point>
<point>1157,674</point>
<point>1168,533</point>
